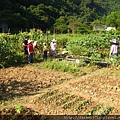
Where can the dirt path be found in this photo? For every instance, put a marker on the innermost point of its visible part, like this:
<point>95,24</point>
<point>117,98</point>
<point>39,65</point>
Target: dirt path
<point>27,84</point>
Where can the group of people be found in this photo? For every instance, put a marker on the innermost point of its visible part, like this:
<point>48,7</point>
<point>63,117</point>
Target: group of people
<point>29,49</point>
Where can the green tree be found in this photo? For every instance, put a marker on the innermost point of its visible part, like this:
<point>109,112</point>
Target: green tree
<point>21,14</point>
<point>113,19</point>
<point>61,24</point>
<point>74,23</point>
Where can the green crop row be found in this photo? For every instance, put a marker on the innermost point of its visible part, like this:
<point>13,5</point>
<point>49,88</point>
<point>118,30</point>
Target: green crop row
<point>93,46</point>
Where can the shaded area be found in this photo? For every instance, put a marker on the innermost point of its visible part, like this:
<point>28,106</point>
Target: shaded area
<point>103,64</point>
<point>15,88</point>
<point>22,81</point>
<point>88,60</point>
<point>19,113</point>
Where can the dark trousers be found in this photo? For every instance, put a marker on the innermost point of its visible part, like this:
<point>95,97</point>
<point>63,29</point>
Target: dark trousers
<point>30,58</point>
<point>45,55</point>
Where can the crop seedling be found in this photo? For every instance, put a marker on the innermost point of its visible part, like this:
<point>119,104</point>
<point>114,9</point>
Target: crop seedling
<point>14,117</point>
<point>69,104</point>
<point>35,113</point>
<point>82,105</point>
<point>62,101</point>
<point>19,108</point>
<point>51,92</point>
<point>43,117</point>
<point>51,98</point>
<point>7,110</point>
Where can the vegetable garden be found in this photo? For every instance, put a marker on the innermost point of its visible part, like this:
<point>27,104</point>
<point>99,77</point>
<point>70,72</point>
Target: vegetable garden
<point>59,87</point>
<point>94,46</point>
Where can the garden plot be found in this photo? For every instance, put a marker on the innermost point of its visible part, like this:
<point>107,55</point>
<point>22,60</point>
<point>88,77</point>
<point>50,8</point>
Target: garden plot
<point>50,92</point>
<point>63,103</point>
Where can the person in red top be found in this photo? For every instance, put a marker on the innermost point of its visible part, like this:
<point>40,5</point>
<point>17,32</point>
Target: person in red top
<point>30,51</point>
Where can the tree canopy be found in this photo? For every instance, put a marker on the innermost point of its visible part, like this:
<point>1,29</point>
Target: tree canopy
<point>61,14</point>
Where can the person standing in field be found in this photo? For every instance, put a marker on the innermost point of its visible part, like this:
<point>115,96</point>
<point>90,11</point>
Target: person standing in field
<point>25,43</point>
<point>44,51</point>
<point>114,47</point>
<point>53,46</point>
<point>30,51</point>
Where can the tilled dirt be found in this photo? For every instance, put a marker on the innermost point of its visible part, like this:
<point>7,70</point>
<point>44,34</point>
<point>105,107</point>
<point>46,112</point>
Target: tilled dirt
<point>20,81</point>
<point>49,92</point>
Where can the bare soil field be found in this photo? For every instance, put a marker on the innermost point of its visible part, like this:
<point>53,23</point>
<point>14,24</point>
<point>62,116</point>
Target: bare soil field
<point>31,90</point>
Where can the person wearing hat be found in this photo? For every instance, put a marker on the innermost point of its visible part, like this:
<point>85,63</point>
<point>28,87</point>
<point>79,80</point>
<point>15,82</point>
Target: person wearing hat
<point>25,43</point>
<point>53,46</point>
<point>114,47</point>
<point>30,51</point>
<point>44,51</point>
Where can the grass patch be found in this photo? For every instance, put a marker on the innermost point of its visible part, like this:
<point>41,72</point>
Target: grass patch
<point>67,66</point>
<point>63,66</point>
<point>100,109</point>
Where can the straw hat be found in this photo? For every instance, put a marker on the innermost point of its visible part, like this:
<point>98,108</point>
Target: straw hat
<point>54,40</point>
<point>114,41</point>
<point>29,41</point>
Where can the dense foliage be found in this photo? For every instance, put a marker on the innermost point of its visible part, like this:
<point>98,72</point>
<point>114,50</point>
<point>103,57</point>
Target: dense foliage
<point>77,16</point>
<point>10,50</point>
<point>92,46</point>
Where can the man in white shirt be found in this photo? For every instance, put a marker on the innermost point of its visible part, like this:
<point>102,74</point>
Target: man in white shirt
<point>53,46</point>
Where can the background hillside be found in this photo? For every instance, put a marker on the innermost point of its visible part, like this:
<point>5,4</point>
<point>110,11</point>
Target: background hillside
<point>63,14</point>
